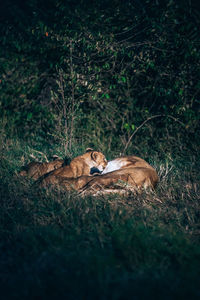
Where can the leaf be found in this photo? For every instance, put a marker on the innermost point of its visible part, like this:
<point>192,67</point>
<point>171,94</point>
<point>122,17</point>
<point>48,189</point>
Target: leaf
<point>29,116</point>
<point>133,127</point>
<point>126,126</point>
<point>181,92</point>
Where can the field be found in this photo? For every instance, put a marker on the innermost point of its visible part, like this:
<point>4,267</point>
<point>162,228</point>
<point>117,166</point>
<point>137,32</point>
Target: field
<point>121,77</point>
<point>57,245</point>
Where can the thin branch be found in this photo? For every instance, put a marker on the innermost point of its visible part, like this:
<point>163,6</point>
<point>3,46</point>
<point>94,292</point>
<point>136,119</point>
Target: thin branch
<point>143,123</point>
<point>129,29</point>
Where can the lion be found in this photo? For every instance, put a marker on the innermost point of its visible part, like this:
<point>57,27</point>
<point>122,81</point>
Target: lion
<point>79,166</point>
<point>35,170</point>
<point>132,173</point>
<point>130,161</point>
<point>64,183</point>
<point>128,178</point>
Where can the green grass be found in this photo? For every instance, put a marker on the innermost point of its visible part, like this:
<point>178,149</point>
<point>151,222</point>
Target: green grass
<point>56,245</point>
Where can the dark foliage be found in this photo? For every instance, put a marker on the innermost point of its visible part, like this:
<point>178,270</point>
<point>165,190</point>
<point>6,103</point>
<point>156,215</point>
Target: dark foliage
<point>100,70</point>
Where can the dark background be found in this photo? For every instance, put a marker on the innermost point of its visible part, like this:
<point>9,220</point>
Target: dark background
<point>93,72</point>
<point>121,77</point>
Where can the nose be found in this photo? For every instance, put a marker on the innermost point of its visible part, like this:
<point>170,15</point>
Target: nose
<point>94,170</point>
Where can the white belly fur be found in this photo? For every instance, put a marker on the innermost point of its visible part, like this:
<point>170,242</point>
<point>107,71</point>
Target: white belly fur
<point>113,165</point>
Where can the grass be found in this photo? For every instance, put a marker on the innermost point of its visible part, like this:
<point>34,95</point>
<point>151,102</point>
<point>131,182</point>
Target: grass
<point>58,245</point>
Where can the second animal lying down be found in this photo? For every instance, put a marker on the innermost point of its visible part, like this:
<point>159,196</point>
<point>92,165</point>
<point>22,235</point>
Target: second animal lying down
<point>35,169</point>
<point>132,171</point>
<point>131,177</point>
<point>79,166</point>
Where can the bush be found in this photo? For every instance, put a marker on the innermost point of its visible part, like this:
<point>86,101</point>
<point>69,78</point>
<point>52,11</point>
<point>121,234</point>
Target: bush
<point>83,76</point>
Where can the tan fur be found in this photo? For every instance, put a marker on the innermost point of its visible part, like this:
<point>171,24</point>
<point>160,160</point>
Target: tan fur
<point>135,174</point>
<point>130,161</point>
<point>133,162</point>
<point>137,177</point>
<point>68,184</point>
<point>128,178</point>
<point>79,166</point>
<point>37,169</point>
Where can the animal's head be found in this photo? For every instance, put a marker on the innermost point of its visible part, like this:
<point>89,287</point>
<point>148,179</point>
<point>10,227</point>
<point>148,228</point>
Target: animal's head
<point>98,159</point>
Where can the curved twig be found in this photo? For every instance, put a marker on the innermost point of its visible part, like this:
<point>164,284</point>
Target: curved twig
<point>143,123</point>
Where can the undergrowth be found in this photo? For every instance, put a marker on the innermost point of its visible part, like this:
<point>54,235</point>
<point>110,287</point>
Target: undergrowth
<point>58,245</point>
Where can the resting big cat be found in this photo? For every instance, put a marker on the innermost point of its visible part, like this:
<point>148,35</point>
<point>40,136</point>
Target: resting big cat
<point>129,178</point>
<point>35,170</point>
<point>131,170</point>
<point>128,172</point>
<point>123,162</point>
<point>79,166</point>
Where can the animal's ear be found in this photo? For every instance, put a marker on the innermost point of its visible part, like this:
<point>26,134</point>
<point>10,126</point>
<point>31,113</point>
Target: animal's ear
<point>94,155</point>
<point>55,157</point>
<point>88,150</point>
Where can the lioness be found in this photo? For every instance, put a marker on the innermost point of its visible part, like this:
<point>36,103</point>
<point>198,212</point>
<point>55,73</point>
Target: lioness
<point>130,161</point>
<point>64,183</point>
<point>79,166</point>
<point>136,177</point>
<point>130,171</point>
<point>129,178</point>
<point>133,172</point>
<point>37,169</point>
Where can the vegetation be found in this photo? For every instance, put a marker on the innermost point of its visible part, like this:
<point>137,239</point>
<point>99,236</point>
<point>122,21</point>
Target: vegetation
<point>101,70</point>
<point>56,244</point>
<point>122,77</point>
